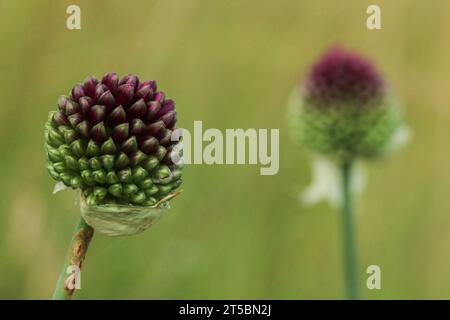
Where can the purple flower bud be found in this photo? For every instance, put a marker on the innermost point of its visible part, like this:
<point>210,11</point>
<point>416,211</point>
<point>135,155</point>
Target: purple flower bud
<point>107,99</point>
<point>125,94</point>
<point>111,81</point>
<point>62,101</point>
<point>160,153</point>
<point>90,85</point>
<point>150,83</point>
<point>122,161</point>
<point>130,145</point>
<point>117,116</point>
<point>137,127</point>
<point>137,158</point>
<point>153,128</point>
<point>83,129</point>
<point>153,108</point>
<point>75,119</point>
<point>97,114</point>
<point>149,144</point>
<point>60,118</point>
<point>77,92</point>
<point>144,92</point>
<point>169,117</point>
<point>159,97</point>
<point>167,105</point>
<point>85,104</point>
<point>131,80</point>
<point>120,133</point>
<point>137,110</point>
<point>166,138</point>
<point>72,107</point>
<point>98,132</point>
<point>99,90</point>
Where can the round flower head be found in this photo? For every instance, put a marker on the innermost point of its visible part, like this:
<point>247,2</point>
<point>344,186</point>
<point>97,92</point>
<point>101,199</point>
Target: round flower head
<point>112,139</point>
<point>344,109</point>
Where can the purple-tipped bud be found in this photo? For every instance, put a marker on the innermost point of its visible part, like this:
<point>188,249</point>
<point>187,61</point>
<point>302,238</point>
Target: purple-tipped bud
<point>150,83</point>
<point>62,101</point>
<point>169,117</point>
<point>72,107</point>
<point>83,129</point>
<point>149,144</point>
<point>120,133</point>
<point>137,127</point>
<point>153,108</point>
<point>159,97</point>
<point>77,92</point>
<point>90,85</point>
<point>341,77</point>
<point>98,132</point>
<point>166,138</point>
<point>130,145</point>
<point>117,116</point>
<point>85,103</point>
<point>75,119</point>
<point>137,110</point>
<point>137,157</point>
<point>111,80</point>
<point>167,105</point>
<point>107,99</point>
<point>144,92</point>
<point>122,161</point>
<point>125,94</point>
<point>99,90</point>
<point>153,128</point>
<point>60,118</point>
<point>131,80</point>
<point>97,114</point>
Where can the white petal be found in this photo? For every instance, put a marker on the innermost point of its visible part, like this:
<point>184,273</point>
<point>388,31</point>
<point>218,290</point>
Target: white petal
<point>326,182</point>
<point>59,187</point>
<point>400,138</point>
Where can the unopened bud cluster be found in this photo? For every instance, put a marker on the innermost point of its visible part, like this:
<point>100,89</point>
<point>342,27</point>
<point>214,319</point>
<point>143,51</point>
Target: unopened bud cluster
<point>112,139</point>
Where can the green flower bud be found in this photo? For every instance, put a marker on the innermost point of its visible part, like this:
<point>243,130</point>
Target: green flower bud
<point>108,162</point>
<point>138,174</point>
<point>99,176</point>
<point>95,163</point>
<point>111,178</point>
<point>115,190</point>
<point>129,188</point>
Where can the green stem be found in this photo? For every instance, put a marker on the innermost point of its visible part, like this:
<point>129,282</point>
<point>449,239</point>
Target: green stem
<point>77,251</point>
<point>349,242</point>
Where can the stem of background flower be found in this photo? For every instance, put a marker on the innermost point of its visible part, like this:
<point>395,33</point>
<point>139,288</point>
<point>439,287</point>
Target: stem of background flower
<point>70,273</point>
<point>348,235</point>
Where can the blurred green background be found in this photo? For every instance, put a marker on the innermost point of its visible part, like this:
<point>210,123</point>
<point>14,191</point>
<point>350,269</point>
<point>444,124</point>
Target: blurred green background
<point>232,233</point>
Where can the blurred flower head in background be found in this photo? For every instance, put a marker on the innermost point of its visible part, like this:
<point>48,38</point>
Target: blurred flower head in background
<point>344,111</point>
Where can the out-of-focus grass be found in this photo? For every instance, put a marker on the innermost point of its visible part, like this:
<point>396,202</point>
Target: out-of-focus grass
<point>233,233</point>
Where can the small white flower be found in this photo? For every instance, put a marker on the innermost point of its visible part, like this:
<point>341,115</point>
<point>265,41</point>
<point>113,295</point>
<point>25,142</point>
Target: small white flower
<point>326,181</point>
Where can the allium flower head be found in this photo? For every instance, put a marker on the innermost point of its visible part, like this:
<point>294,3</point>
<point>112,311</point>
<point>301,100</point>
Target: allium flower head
<point>111,138</point>
<point>344,109</point>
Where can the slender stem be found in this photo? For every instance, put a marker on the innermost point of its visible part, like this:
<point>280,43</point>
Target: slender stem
<point>349,242</point>
<point>70,273</point>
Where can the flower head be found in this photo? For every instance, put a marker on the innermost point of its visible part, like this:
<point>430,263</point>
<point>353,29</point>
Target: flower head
<point>344,109</point>
<point>111,138</point>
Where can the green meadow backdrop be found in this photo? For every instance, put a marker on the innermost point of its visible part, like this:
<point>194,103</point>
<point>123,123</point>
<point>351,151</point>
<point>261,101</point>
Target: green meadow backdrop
<point>233,233</point>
